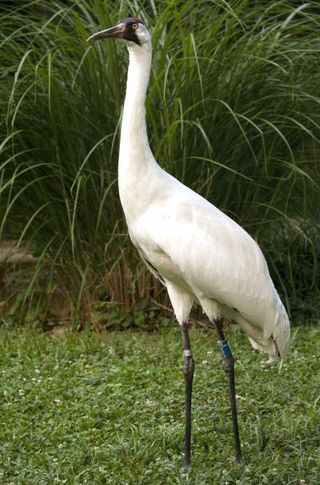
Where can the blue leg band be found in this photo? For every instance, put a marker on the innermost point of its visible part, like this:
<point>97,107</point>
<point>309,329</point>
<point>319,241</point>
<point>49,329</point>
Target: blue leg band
<point>225,349</point>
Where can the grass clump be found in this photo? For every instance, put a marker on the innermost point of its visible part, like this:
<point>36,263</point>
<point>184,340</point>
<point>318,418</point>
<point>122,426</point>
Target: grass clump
<point>232,110</point>
<point>89,409</point>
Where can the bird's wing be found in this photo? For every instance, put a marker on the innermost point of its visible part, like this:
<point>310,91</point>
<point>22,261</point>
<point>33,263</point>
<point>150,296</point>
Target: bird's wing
<point>192,243</point>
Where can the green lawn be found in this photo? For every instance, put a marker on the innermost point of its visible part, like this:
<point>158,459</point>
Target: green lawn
<point>89,408</point>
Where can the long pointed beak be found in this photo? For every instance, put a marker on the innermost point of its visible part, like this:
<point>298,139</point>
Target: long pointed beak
<point>116,31</point>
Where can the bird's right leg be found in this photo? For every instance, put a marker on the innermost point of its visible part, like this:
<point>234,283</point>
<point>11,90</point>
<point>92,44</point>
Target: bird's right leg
<point>228,363</point>
<point>188,371</point>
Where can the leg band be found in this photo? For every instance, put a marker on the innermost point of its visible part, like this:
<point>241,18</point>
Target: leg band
<point>187,353</point>
<point>225,349</point>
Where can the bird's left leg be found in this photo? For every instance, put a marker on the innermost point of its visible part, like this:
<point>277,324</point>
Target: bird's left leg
<point>228,363</point>
<point>188,371</point>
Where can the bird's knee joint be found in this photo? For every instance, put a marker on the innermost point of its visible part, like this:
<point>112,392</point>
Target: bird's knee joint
<point>228,365</point>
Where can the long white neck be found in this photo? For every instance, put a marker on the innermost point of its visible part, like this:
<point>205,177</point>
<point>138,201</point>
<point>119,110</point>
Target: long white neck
<point>133,129</point>
<point>135,156</point>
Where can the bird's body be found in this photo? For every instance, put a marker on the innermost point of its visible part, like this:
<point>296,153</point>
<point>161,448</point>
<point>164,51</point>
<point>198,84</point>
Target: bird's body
<point>197,251</point>
<point>202,255</point>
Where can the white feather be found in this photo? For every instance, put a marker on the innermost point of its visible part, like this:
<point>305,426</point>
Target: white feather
<point>196,250</point>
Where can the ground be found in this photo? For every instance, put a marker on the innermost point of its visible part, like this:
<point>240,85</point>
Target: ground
<point>108,408</point>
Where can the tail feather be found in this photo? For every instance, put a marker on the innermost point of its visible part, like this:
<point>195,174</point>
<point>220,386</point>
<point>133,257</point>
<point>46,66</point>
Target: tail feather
<point>274,337</point>
<point>281,331</point>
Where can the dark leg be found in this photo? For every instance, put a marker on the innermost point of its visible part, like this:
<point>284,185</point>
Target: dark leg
<point>228,363</point>
<point>188,370</point>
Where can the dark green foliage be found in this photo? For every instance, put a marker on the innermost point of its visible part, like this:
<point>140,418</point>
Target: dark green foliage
<point>233,112</point>
<point>143,316</point>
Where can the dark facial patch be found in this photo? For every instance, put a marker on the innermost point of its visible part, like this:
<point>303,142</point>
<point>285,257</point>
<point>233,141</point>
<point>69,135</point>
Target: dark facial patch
<point>131,24</point>
<point>131,20</point>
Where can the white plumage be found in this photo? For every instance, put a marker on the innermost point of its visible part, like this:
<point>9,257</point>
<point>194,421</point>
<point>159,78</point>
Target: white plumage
<point>199,253</point>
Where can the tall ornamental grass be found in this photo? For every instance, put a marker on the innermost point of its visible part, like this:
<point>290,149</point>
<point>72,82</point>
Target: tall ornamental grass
<point>233,111</point>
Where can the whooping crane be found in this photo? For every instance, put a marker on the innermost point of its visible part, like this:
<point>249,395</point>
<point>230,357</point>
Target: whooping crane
<point>199,253</point>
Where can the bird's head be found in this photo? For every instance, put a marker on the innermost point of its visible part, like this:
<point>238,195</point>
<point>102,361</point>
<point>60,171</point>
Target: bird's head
<point>131,30</point>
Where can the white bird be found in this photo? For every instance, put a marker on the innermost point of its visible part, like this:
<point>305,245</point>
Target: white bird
<point>198,252</point>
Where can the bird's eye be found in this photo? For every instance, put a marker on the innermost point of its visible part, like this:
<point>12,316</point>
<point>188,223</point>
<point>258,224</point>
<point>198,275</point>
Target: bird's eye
<point>134,26</point>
